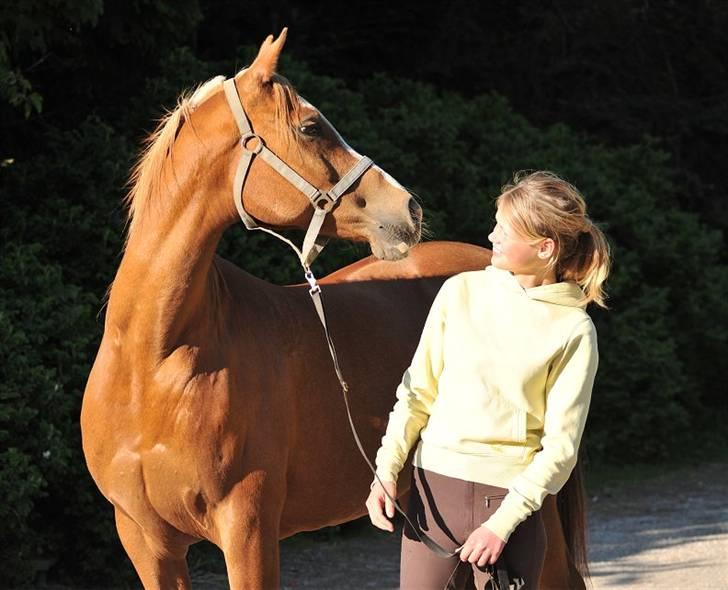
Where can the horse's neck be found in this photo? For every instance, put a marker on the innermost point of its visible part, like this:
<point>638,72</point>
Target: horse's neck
<point>166,287</point>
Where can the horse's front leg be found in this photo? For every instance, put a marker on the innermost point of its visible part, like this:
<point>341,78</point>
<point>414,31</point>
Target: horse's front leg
<point>158,554</point>
<point>248,521</point>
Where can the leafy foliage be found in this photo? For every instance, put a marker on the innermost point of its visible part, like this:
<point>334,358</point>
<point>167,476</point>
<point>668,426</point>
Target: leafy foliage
<point>48,329</point>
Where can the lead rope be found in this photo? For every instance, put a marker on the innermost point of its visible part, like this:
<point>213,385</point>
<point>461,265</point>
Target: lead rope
<point>315,292</point>
<point>253,145</point>
<point>499,578</point>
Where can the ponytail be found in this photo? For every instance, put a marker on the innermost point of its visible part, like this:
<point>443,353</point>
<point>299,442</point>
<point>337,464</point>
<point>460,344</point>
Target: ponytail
<point>589,265</point>
<point>542,205</point>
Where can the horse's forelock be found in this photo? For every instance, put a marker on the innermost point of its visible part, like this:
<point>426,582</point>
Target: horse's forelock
<point>287,107</point>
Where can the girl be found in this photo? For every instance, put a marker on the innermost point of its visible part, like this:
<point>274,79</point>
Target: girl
<point>498,390</point>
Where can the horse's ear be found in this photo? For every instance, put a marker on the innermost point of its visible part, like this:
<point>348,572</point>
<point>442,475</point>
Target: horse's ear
<point>265,64</point>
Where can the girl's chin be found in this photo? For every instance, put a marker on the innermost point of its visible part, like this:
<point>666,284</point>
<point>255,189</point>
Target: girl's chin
<point>497,261</point>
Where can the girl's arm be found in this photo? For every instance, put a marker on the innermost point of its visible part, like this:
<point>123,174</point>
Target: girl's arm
<point>568,395</point>
<point>416,392</point>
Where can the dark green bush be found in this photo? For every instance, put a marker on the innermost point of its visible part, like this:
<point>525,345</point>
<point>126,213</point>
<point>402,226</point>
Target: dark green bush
<point>48,327</point>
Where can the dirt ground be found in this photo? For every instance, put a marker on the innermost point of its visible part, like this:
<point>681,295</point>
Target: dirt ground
<point>663,532</point>
<point>666,532</point>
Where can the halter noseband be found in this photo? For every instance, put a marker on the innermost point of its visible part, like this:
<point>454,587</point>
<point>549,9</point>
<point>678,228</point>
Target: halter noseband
<point>322,201</point>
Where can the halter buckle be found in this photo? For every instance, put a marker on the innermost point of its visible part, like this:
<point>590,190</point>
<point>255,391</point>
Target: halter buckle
<point>312,283</point>
<point>323,201</point>
<point>257,148</point>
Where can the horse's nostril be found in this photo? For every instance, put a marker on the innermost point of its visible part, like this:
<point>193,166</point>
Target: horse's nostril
<point>415,210</point>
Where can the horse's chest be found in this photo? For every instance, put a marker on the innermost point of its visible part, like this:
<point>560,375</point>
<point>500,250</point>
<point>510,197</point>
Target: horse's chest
<point>171,423</point>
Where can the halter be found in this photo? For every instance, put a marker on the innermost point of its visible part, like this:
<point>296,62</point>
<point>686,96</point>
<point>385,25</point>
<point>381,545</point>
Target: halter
<point>322,201</point>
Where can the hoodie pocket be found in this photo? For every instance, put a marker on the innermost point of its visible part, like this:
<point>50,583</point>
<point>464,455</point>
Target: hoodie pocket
<point>518,424</point>
<point>475,423</point>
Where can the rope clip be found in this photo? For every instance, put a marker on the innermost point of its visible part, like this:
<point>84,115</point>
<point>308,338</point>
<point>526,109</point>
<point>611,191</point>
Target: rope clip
<point>312,282</point>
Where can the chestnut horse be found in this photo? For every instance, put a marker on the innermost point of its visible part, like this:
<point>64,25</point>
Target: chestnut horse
<point>212,410</point>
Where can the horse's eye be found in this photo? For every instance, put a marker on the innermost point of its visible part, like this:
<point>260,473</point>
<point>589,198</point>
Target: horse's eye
<point>310,128</point>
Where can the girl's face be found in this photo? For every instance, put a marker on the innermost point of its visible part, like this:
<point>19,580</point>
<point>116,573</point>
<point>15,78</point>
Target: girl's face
<point>513,252</point>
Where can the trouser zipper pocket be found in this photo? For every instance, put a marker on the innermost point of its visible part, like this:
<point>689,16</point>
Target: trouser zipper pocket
<point>495,497</point>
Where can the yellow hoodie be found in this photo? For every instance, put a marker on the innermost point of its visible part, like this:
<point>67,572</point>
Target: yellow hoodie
<point>498,390</point>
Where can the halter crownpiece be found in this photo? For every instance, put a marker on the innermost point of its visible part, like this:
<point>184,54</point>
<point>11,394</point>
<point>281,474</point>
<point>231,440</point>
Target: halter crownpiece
<point>322,201</point>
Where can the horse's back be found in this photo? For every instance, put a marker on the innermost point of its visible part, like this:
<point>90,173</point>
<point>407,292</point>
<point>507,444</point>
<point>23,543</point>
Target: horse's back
<point>428,259</point>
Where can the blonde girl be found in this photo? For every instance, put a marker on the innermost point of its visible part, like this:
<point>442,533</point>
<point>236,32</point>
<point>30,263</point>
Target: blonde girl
<point>497,394</point>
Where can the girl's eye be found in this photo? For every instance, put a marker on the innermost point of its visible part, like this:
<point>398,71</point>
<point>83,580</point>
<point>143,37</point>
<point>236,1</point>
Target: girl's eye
<point>310,129</point>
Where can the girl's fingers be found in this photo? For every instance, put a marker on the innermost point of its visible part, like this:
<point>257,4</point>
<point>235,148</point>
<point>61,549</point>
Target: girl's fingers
<point>389,507</point>
<point>380,523</point>
<point>384,523</point>
<point>465,553</point>
<point>375,505</point>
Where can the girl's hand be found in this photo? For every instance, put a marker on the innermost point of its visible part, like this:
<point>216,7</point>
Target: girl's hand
<point>377,504</point>
<point>482,547</point>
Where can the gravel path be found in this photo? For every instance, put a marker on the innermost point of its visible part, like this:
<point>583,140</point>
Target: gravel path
<point>667,532</point>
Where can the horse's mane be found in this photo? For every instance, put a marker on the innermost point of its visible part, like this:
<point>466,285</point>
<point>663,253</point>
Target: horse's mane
<point>146,176</point>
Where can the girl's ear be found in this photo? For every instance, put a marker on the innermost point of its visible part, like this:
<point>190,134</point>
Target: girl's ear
<point>547,249</point>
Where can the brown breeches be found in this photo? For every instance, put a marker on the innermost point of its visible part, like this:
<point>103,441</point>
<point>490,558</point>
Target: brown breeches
<point>448,510</point>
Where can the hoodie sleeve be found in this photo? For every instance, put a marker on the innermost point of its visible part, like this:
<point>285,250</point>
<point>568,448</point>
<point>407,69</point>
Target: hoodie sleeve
<point>568,394</point>
<point>416,392</point>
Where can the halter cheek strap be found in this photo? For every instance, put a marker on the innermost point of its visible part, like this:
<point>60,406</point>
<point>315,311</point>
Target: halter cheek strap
<point>322,201</point>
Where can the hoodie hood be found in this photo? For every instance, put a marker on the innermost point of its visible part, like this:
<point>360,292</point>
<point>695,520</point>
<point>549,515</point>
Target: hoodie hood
<point>566,293</point>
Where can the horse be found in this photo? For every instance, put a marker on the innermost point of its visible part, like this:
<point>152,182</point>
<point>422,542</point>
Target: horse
<point>212,411</point>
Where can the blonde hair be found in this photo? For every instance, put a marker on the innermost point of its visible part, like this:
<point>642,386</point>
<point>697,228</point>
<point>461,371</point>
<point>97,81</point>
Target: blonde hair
<point>541,205</point>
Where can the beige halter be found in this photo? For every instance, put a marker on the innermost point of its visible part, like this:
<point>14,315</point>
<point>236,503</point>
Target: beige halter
<point>322,201</point>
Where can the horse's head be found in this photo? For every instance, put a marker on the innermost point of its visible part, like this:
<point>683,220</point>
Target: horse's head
<point>375,208</point>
